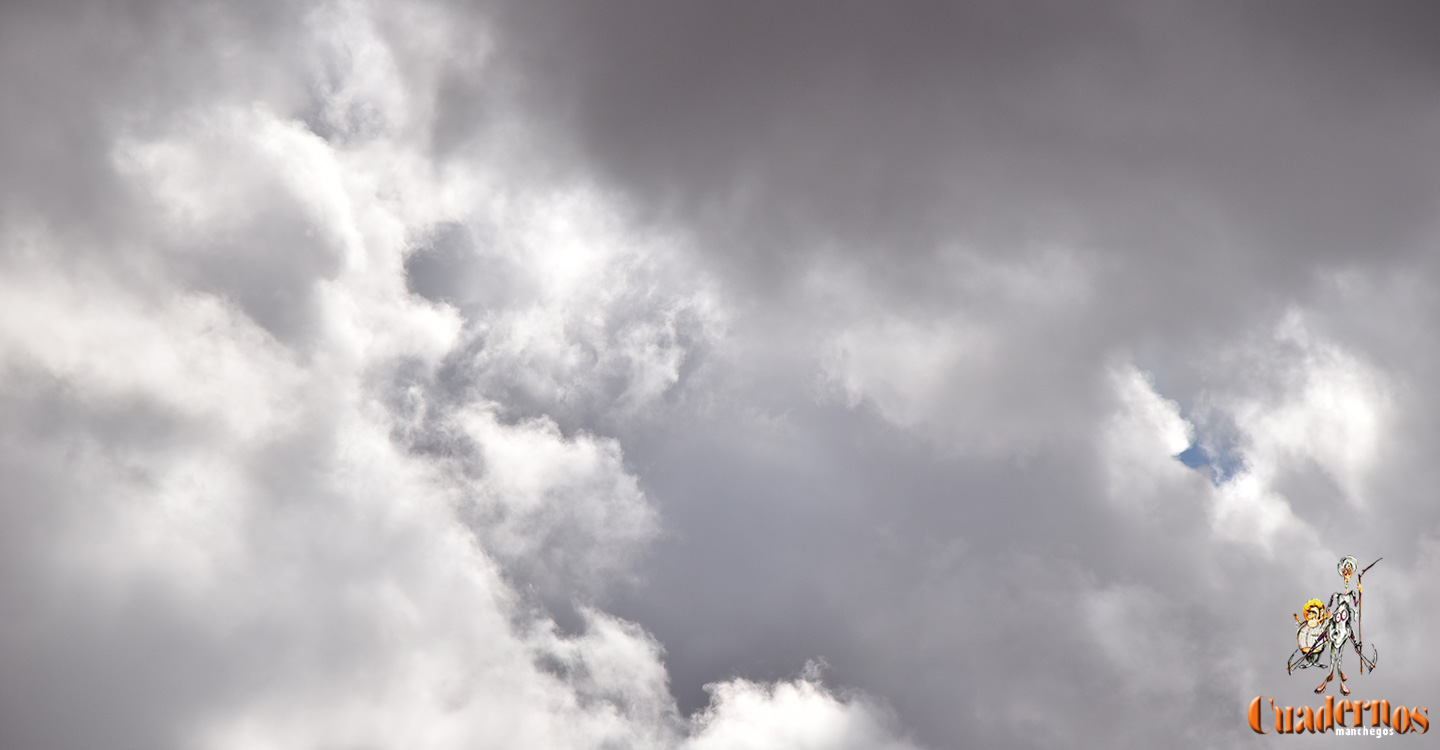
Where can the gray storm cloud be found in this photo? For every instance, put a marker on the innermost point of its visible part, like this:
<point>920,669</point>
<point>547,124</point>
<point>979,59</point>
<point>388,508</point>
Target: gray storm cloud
<point>729,375</point>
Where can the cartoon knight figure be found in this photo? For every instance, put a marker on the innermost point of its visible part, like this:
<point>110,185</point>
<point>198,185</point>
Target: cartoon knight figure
<point>1344,624</point>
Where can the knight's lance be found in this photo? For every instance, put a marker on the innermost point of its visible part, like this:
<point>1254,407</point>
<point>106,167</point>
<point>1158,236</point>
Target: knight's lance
<point>1360,604</point>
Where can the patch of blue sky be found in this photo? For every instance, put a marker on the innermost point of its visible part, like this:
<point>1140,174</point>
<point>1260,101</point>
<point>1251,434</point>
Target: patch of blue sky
<point>1214,449</point>
<point>1214,452</point>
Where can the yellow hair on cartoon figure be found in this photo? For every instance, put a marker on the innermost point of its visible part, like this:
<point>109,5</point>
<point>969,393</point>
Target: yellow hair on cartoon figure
<point>1315,603</point>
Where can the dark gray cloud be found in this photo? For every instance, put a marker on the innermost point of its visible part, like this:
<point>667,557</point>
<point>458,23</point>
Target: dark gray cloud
<point>573,374</point>
<point>1201,172</point>
<point>857,124</point>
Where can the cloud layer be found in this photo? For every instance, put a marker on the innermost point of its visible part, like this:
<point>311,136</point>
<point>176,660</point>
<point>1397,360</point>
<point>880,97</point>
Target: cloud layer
<point>704,376</point>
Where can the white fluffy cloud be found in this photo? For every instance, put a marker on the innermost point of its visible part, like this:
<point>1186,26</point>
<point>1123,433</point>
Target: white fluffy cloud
<point>1299,403</point>
<point>252,518</point>
<point>797,714</point>
<point>1141,442</point>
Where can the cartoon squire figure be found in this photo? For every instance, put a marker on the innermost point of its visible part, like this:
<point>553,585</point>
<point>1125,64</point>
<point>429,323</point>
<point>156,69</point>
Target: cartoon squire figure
<point>1311,637</point>
<point>1335,624</point>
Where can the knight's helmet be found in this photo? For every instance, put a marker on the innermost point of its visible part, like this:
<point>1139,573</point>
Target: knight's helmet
<point>1349,562</point>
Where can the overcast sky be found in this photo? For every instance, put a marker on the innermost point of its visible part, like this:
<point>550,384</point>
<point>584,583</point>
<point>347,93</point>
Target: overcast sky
<point>709,375</point>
